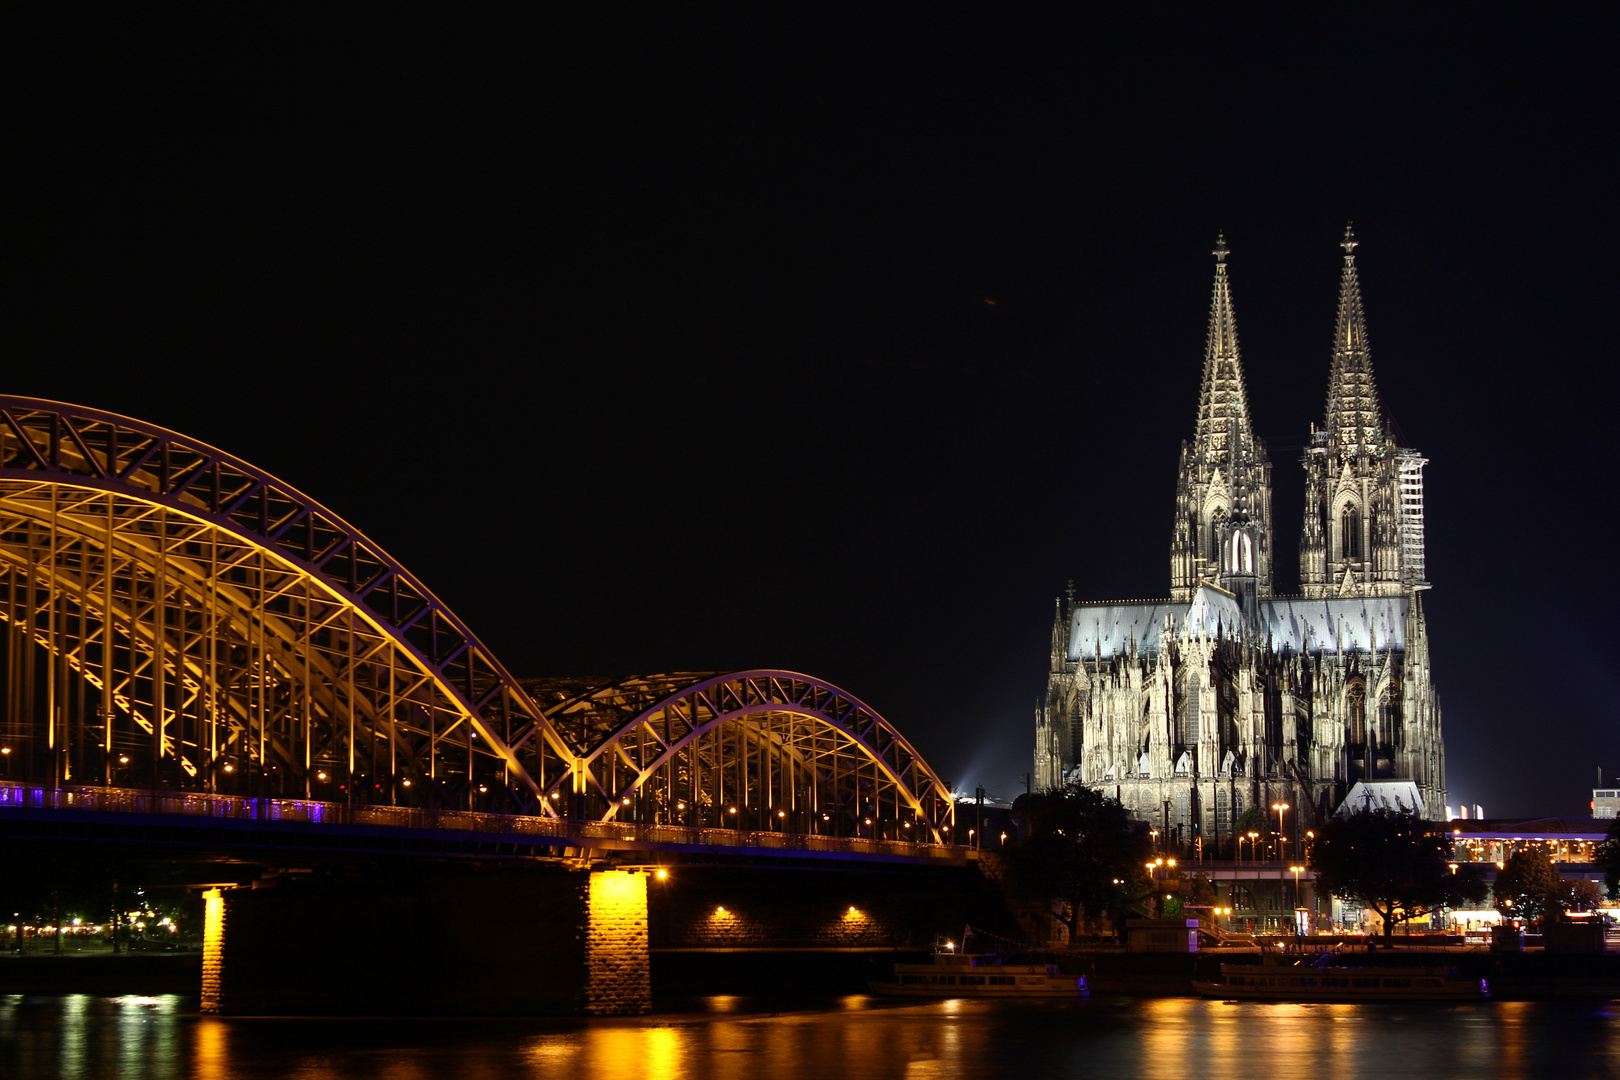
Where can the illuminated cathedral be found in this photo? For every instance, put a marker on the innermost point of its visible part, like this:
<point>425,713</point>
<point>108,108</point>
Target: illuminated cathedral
<point>1226,694</point>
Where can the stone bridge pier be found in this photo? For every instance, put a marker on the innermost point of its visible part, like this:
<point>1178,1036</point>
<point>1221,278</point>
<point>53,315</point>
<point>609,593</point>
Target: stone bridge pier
<point>523,941</point>
<point>545,938</point>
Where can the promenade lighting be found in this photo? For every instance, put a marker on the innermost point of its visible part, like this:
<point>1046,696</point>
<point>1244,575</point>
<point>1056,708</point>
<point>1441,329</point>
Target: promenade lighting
<point>1280,807</point>
<point>1253,836</point>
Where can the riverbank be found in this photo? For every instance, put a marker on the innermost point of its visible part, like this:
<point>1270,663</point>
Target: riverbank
<point>1528,976</point>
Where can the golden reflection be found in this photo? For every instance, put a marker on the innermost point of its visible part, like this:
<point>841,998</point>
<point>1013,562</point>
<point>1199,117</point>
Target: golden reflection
<point>653,1053</point>
<point>1165,1045</point>
<point>211,1052</point>
<point>1510,1022</point>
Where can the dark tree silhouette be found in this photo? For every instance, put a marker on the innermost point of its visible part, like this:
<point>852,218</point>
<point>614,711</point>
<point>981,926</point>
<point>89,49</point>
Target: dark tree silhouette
<point>1083,847</point>
<point>1397,864</point>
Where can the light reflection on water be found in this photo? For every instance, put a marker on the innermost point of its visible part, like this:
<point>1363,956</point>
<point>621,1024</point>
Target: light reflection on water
<point>79,1037</point>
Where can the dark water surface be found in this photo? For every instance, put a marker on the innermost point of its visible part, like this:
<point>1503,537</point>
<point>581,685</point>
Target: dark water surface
<point>134,1038</point>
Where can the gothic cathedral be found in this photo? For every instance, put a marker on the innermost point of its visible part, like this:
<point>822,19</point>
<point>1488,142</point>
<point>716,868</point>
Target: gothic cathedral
<point>1227,695</point>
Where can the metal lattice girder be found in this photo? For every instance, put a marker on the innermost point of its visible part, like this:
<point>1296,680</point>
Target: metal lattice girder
<point>776,748</point>
<point>174,618</point>
<point>230,633</point>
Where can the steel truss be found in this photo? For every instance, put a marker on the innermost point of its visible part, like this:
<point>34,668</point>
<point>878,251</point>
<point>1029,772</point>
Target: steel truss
<point>757,750</point>
<point>176,619</point>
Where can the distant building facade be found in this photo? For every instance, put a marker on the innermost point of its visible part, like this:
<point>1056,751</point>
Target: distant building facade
<point>1226,695</point>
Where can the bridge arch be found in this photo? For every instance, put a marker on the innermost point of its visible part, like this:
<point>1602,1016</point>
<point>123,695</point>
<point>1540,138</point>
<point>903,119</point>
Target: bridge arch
<point>230,634</point>
<point>762,749</point>
<point>173,618</point>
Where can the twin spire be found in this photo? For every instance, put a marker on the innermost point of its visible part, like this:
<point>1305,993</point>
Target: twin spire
<point>1224,429</point>
<point>1354,417</point>
<point>1354,414</point>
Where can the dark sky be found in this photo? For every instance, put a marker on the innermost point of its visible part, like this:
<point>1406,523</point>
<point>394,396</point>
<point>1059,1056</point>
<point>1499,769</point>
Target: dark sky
<point>661,337</point>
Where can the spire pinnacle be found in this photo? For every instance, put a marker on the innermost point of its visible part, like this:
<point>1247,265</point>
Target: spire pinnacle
<point>1224,430</point>
<point>1354,416</point>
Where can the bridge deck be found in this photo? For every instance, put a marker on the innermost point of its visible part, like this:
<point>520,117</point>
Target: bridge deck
<point>288,818</point>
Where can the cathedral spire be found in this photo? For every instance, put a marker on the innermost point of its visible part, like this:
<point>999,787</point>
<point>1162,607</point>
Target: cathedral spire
<point>1353,415</point>
<point>1223,408</point>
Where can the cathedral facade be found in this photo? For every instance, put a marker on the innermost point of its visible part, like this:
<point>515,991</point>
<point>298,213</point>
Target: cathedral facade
<point>1228,695</point>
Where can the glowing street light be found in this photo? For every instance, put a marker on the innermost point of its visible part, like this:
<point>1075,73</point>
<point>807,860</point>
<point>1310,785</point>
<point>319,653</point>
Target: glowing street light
<point>1280,807</point>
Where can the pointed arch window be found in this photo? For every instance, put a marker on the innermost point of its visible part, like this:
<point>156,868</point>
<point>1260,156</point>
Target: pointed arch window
<point>1350,532</point>
<point>1389,713</point>
<point>1355,700</point>
<point>1240,559</point>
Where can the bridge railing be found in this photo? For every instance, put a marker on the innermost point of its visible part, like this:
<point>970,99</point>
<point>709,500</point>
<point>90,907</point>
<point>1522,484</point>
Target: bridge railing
<point>240,808</point>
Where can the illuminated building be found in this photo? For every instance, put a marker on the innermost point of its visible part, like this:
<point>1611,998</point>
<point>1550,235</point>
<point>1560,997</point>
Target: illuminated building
<point>1227,695</point>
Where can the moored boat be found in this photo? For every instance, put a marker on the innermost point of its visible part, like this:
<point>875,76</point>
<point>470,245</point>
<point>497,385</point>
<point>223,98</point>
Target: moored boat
<point>971,975</point>
<point>1300,982</point>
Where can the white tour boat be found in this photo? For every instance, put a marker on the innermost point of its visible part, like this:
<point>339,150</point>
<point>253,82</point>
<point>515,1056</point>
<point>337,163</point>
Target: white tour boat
<point>1302,982</point>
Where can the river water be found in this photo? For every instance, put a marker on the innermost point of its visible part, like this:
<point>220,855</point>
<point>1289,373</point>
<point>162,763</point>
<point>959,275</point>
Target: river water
<point>79,1037</point>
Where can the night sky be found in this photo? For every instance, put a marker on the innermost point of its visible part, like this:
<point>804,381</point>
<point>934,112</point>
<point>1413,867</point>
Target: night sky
<point>695,338</point>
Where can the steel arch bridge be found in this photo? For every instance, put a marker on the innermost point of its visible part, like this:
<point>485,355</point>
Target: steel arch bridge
<point>178,620</point>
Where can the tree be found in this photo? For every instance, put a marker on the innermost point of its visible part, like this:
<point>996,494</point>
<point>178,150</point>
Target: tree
<point>1397,864</point>
<point>1082,847</point>
<point>1584,894</point>
<point>1528,887</point>
<point>1608,859</point>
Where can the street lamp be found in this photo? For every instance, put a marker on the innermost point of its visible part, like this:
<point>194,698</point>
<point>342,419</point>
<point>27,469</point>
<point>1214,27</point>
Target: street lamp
<point>1296,870</point>
<point>1254,837</point>
<point>1279,807</point>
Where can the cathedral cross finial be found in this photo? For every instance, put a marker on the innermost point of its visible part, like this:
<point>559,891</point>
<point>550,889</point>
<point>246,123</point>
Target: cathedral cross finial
<point>1220,247</point>
<point>1349,241</point>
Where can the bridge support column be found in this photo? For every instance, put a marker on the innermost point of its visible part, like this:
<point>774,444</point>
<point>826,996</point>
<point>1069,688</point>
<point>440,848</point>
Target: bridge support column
<point>213,948</point>
<point>432,941</point>
<point>618,967</point>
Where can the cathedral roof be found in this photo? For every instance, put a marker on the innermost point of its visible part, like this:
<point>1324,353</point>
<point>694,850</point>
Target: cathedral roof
<point>1351,624</point>
<point>1397,795</point>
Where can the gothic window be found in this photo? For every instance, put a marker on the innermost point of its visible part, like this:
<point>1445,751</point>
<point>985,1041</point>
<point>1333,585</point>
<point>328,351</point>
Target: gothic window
<point>1223,814</point>
<point>1350,532</point>
<point>1389,709</point>
<point>1181,813</point>
<point>1217,518</point>
<point>1241,557</point>
<point>1355,699</point>
<point>1189,718</point>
